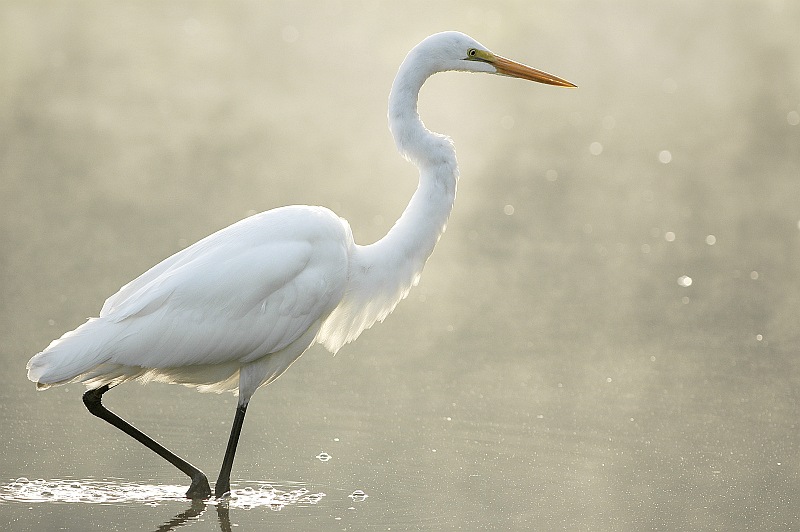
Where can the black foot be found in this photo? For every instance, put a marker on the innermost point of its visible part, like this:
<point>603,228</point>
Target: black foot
<point>199,488</point>
<point>221,488</point>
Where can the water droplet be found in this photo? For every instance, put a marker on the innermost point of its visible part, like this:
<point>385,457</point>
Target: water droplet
<point>645,248</point>
<point>664,156</point>
<point>669,236</point>
<point>685,280</point>
<point>358,496</point>
<point>595,148</point>
<point>754,275</point>
<point>793,117</point>
<point>508,210</point>
<point>323,457</point>
<point>711,240</point>
<point>759,337</point>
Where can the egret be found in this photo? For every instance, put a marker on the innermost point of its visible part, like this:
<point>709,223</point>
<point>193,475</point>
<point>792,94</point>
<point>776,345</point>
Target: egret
<point>234,310</point>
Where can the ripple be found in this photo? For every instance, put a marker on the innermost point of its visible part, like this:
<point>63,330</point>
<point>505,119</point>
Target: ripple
<point>117,492</point>
<point>358,496</point>
<point>266,495</point>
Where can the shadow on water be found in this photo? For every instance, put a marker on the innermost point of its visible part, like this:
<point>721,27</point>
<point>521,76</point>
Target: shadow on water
<point>264,495</point>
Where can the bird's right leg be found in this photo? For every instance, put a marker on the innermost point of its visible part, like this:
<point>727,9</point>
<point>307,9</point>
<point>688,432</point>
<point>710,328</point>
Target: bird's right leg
<point>199,488</point>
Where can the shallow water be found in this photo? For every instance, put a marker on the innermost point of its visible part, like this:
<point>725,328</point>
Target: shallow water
<point>42,495</point>
<point>605,338</point>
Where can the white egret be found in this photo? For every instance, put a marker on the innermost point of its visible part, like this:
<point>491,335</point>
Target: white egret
<point>234,310</point>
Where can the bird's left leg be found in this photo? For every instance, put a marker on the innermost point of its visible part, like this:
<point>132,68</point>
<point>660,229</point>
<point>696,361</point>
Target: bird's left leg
<point>199,488</point>
<point>223,484</point>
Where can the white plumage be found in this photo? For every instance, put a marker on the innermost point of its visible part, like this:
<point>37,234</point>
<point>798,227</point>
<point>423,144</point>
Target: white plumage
<point>234,310</point>
<point>248,291</point>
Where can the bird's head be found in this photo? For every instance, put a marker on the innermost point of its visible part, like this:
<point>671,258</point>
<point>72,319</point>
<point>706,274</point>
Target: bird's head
<point>452,50</point>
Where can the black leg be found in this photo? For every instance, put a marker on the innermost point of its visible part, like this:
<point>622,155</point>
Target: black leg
<point>223,484</point>
<point>199,488</point>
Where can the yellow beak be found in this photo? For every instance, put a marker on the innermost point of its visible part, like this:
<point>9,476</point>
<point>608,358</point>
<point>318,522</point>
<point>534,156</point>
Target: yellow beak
<point>507,67</point>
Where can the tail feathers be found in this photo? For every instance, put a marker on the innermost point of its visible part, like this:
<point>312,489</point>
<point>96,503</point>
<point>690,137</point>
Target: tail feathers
<point>69,357</point>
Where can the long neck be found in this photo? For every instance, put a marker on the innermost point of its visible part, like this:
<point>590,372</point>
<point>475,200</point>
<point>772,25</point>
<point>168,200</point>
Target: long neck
<point>381,274</point>
<point>411,240</point>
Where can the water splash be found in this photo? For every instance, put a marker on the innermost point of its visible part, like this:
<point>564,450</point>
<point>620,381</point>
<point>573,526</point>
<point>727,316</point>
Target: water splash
<point>265,495</point>
<point>87,491</point>
<point>120,492</point>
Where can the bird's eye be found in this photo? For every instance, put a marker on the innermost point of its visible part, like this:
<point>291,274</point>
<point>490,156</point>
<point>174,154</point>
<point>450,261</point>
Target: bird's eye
<point>472,52</point>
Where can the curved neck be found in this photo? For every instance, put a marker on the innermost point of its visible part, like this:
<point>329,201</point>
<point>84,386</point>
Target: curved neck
<point>393,264</point>
<point>416,232</point>
<point>381,274</point>
<point>425,149</point>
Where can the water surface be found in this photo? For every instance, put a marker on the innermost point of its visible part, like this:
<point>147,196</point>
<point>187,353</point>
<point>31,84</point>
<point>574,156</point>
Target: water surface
<point>605,339</point>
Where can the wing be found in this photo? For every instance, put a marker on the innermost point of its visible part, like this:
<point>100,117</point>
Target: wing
<point>237,295</point>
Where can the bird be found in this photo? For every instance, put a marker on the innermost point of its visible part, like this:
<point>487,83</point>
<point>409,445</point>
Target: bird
<point>233,311</point>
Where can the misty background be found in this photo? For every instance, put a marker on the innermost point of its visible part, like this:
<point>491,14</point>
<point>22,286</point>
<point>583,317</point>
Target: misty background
<point>605,338</point>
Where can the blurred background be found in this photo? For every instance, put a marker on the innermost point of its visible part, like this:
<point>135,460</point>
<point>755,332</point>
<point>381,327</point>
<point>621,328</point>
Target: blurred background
<point>605,338</point>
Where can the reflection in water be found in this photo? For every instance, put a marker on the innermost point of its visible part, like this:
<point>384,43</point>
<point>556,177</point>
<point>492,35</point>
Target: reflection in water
<point>119,492</point>
<point>193,513</point>
<point>195,510</point>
